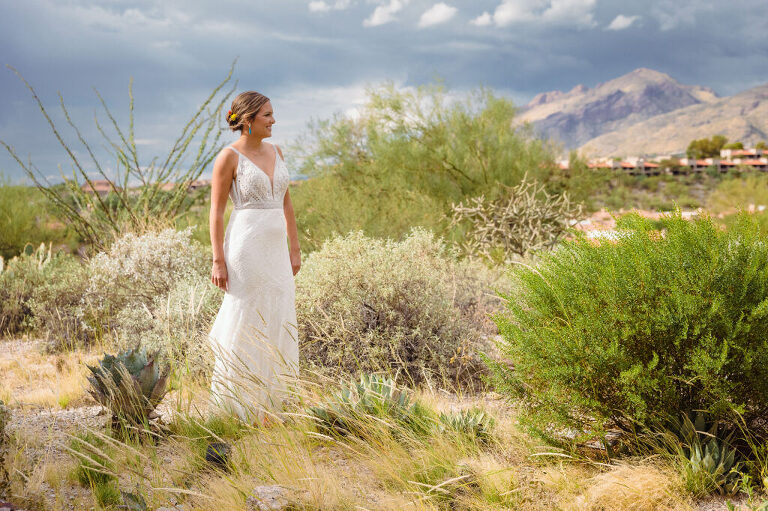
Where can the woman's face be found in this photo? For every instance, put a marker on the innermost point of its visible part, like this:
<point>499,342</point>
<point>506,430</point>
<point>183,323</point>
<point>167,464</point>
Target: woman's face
<point>261,126</point>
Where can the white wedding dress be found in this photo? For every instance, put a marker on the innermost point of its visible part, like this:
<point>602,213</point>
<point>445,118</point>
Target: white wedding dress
<point>254,336</point>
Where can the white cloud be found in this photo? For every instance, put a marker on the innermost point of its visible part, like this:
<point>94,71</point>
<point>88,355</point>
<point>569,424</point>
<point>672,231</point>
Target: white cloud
<point>384,13</point>
<point>321,6</point>
<point>621,22</point>
<point>568,12</point>
<point>516,11</point>
<point>438,13</point>
<point>483,20</point>
<point>560,12</point>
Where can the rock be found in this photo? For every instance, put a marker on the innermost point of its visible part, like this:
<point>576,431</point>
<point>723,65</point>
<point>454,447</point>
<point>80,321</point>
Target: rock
<point>267,498</point>
<point>217,454</point>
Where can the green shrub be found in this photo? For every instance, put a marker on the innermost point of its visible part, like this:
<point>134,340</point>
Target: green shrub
<point>58,311</point>
<point>19,280</point>
<point>407,307</point>
<point>641,329</point>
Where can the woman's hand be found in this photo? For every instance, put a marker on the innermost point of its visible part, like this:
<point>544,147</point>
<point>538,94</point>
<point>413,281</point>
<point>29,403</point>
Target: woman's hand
<point>295,261</point>
<point>219,275</point>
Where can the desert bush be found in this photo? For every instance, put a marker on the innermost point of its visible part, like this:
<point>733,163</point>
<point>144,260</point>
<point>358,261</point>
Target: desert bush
<point>739,193</point>
<point>407,307</point>
<point>524,218</point>
<point>641,329</point>
<point>57,310</point>
<point>177,324</point>
<point>20,278</point>
<point>137,269</point>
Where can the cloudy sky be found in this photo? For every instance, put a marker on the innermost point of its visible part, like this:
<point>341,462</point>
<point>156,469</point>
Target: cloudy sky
<point>316,57</point>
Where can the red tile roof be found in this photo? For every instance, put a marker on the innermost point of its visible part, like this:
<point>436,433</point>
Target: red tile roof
<point>754,163</point>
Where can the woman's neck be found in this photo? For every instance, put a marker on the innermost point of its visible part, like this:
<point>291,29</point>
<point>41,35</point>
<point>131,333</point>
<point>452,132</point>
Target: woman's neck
<point>252,143</point>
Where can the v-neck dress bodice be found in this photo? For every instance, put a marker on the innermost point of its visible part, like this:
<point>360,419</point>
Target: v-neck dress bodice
<point>255,336</point>
<point>252,188</point>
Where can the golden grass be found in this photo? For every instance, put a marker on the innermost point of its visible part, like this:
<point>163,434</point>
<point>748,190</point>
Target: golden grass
<point>626,487</point>
<point>32,377</point>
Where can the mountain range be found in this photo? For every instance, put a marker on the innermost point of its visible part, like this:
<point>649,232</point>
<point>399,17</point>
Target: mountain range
<point>645,112</point>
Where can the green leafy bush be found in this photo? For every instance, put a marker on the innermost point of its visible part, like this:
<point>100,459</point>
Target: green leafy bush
<point>408,307</point>
<point>641,329</point>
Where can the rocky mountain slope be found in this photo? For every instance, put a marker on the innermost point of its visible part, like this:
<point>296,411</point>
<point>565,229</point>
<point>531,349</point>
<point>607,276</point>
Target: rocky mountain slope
<point>741,117</point>
<point>575,117</point>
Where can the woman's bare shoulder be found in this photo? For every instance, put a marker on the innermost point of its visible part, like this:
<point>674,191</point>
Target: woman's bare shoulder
<point>280,151</point>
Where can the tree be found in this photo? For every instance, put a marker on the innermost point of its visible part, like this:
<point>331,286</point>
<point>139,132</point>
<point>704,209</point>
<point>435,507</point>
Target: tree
<point>706,147</point>
<point>762,145</point>
<point>409,155</point>
<point>734,145</point>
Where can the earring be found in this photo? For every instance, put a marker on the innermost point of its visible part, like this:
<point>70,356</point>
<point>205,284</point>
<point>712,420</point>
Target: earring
<point>249,129</point>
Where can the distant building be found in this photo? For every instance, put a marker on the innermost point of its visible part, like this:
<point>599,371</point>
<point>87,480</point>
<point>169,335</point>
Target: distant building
<point>100,186</point>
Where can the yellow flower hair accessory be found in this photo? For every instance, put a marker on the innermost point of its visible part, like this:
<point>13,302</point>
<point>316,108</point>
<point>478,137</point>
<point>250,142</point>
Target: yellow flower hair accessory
<point>232,116</point>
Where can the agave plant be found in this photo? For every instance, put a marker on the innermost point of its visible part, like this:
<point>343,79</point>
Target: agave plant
<point>346,411</point>
<point>130,385</point>
<point>710,461</point>
<point>475,423</point>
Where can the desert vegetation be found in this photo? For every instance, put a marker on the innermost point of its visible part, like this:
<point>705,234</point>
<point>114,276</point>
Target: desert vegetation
<point>461,346</point>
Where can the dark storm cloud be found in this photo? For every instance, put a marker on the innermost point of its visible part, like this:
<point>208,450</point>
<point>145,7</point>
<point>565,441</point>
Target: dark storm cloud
<point>315,57</point>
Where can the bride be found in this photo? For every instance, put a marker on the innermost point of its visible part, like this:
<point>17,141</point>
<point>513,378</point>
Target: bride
<point>254,334</point>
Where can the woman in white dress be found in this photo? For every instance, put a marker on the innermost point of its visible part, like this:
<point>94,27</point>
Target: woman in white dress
<point>254,336</point>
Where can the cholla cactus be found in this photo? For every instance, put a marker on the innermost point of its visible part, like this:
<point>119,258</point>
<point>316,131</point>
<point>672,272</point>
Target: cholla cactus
<point>524,218</point>
<point>130,385</point>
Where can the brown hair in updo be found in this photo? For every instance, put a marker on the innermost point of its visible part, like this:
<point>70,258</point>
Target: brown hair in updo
<point>246,105</point>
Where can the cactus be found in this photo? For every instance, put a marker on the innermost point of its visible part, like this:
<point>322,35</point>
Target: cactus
<point>130,385</point>
<point>524,218</point>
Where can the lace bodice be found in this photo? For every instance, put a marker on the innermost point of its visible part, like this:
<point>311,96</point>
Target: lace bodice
<point>251,187</point>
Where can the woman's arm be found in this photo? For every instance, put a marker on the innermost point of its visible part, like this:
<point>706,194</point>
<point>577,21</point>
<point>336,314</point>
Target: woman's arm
<point>223,173</point>
<point>293,233</point>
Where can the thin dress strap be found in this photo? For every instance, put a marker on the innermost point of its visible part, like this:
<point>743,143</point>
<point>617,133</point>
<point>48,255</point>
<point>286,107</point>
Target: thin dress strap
<point>234,189</point>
